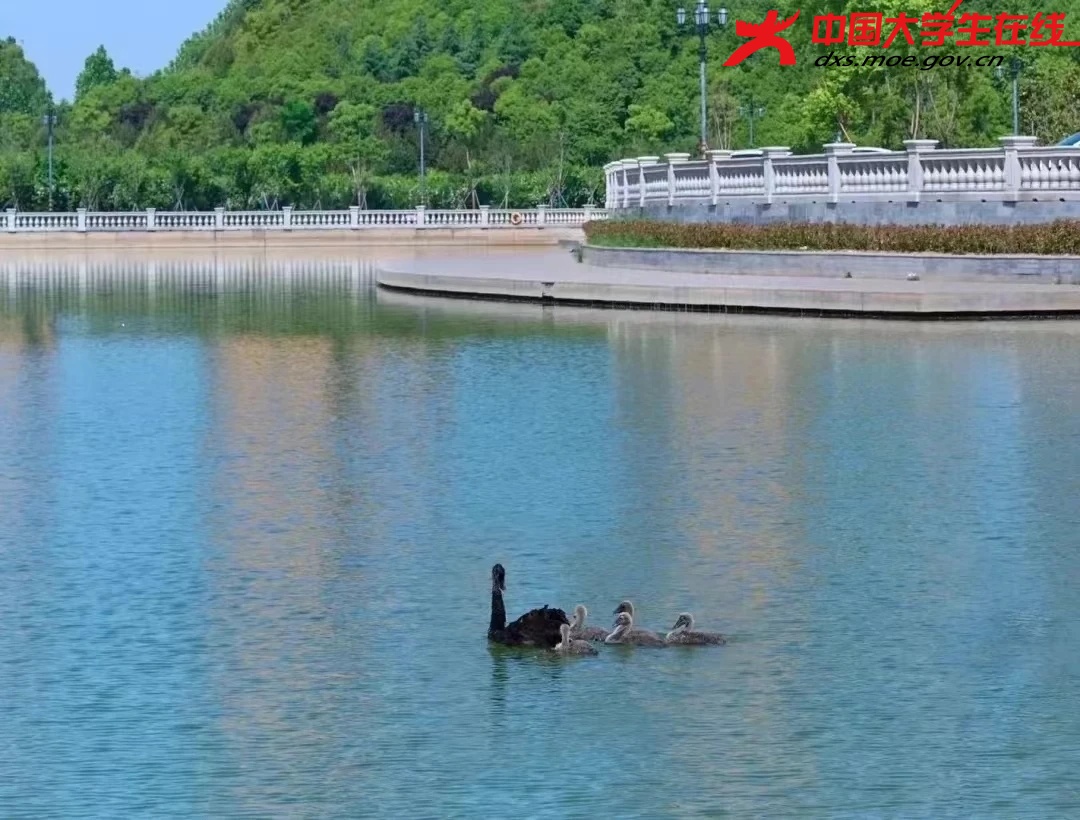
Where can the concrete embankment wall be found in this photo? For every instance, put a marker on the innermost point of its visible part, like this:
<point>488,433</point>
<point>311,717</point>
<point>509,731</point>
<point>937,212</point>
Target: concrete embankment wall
<point>263,239</point>
<point>896,212</point>
<point>561,281</point>
<point>837,264</point>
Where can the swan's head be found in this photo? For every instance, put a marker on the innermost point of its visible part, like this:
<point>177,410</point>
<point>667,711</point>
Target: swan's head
<point>580,614</point>
<point>686,621</point>
<point>626,607</point>
<point>498,578</point>
<point>564,630</point>
<point>622,625</point>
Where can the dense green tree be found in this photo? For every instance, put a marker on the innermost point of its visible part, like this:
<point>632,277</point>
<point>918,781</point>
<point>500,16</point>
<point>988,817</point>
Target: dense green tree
<point>311,102</point>
<point>649,125</point>
<point>298,122</point>
<point>22,90</point>
<point>97,71</point>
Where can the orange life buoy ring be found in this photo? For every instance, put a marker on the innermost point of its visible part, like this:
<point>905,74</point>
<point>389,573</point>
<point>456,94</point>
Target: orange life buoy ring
<point>516,218</point>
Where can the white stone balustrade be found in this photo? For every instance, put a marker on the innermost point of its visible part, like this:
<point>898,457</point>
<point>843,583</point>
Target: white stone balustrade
<point>1018,170</point>
<point>287,219</point>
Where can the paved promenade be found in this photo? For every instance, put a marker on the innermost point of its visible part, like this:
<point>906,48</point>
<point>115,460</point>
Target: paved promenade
<point>277,239</point>
<point>555,276</point>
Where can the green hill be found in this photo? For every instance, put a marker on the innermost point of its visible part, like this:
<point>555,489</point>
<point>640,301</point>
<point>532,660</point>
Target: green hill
<point>311,103</point>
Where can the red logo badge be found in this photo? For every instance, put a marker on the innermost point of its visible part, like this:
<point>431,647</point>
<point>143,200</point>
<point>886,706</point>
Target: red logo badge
<point>766,35</point>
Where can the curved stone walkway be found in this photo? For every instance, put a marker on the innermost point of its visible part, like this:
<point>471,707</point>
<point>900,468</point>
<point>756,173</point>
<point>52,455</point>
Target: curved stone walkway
<point>555,277</point>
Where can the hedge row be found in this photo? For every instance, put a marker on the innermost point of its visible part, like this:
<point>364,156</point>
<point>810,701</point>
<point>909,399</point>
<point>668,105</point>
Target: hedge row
<point>1055,238</point>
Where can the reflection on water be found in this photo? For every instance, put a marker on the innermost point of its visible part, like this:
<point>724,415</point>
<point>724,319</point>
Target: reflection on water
<point>250,507</point>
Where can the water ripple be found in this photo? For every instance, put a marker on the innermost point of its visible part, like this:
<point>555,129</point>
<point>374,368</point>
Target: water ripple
<point>248,517</point>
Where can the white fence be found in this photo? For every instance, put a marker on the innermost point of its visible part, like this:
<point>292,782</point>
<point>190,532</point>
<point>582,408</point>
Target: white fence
<point>1018,170</point>
<point>83,221</point>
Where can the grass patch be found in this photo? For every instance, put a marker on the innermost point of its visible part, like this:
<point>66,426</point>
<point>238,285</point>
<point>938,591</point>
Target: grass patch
<point>1057,238</point>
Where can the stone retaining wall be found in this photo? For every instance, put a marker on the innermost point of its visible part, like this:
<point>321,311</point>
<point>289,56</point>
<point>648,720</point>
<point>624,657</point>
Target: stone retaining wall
<point>879,212</point>
<point>837,264</point>
<point>261,239</point>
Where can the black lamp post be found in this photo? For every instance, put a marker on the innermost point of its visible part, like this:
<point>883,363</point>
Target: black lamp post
<point>49,121</point>
<point>1016,65</point>
<point>701,26</point>
<point>421,118</point>
<point>752,111</point>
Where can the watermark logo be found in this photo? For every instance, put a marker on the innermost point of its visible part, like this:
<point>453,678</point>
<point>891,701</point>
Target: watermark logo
<point>931,30</point>
<point>766,35</point>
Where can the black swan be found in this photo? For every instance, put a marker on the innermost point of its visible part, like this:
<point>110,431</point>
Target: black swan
<point>645,635</point>
<point>624,633</point>
<point>579,631</point>
<point>537,627</point>
<point>570,646</point>
<point>683,633</point>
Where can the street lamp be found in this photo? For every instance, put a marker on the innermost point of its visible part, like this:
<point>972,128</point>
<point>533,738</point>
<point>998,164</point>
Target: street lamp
<point>701,25</point>
<point>49,121</point>
<point>421,118</point>
<point>1016,65</point>
<point>752,111</point>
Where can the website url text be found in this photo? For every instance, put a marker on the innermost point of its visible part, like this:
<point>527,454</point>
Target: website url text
<point>831,60</point>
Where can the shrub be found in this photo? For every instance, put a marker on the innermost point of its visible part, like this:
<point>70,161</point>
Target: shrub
<point>1055,238</point>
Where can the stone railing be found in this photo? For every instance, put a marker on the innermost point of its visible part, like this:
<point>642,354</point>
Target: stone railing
<point>83,221</point>
<point>1019,170</point>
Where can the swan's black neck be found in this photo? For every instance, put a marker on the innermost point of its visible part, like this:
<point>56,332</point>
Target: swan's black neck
<point>498,611</point>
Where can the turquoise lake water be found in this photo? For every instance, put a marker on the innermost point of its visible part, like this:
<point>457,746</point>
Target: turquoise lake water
<point>248,512</point>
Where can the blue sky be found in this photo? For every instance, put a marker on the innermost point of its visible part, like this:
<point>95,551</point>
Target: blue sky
<point>143,35</point>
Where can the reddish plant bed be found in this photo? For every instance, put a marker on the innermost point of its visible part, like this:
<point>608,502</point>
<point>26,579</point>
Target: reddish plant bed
<point>1060,238</point>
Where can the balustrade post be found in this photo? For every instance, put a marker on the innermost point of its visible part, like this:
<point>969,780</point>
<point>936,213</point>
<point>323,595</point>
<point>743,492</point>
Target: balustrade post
<point>541,215</point>
<point>287,213</point>
<point>587,216</point>
<point>1013,182</point>
<point>641,163</point>
<point>354,217</point>
<point>915,149</point>
<point>11,213</point>
<point>715,158</point>
<point>833,152</point>
<point>672,161</point>
<point>768,172</point>
<point>219,219</point>
<point>80,220</point>
<point>151,219</point>
<point>421,216</point>
<point>485,216</point>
